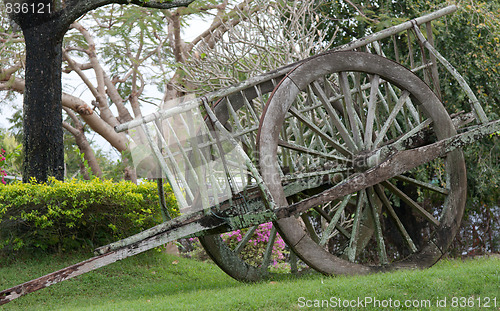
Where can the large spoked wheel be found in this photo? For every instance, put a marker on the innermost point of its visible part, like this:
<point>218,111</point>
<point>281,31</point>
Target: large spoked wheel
<point>340,114</point>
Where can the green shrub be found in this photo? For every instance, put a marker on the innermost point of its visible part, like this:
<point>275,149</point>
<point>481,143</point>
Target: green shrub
<point>63,216</point>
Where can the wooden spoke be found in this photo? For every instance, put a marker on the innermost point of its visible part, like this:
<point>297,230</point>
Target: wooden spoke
<point>409,104</point>
<point>372,106</point>
<point>391,117</point>
<point>422,184</point>
<point>413,110</point>
<point>269,248</point>
<point>333,95</point>
<point>320,133</point>
<point>343,131</point>
<point>309,227</point>
<point>378,228</point>
<point>351,112</point>
<point>327,217</point>
<point>360,101</point>
<point>310,175</point>
<point>353,242</point>
<point>334,221</point>
<point>387,109</point>
<point>414,205</point>
<point>401,140</point>
<point>245,239</point>
<point>380,192</point>
<point>297,147</point>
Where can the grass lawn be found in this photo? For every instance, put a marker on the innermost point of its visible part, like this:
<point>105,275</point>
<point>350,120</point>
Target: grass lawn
<point>155,281</point>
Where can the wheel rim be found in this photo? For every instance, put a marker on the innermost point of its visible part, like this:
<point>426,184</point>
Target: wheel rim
<point>326,116</point>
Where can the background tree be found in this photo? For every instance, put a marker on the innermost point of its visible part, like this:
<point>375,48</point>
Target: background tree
<point>119,52</point>
<point>277,34</point>
<point>44,23</point>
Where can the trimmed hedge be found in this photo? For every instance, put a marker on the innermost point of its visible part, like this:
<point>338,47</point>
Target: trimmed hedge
<point>63,216</point>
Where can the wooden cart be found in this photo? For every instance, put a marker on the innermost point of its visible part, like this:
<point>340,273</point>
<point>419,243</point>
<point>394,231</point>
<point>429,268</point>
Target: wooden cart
<point>350,153</point>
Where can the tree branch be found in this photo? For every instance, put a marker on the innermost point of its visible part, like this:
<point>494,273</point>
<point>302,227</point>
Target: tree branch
<point>5,74</point>
<point>218,27</point>
<point>83,144</point>
<point>76,8</point>
<point>117,140</point>
<point>361,12</point>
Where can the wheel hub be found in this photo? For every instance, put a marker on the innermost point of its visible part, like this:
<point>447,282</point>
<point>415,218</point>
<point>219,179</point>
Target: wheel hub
<point>365,160</point>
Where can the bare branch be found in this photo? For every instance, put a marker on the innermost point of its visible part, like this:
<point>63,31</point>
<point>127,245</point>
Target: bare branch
<point>218,24</point>
<point>76,8</point>
<point>104,85</point>
<point>69,128</point>
<point>259,37</point>
<point>16,85</point>
<point>74,67</point>
<point>360,11</point>
<point>5,74</point>
<point>82,67</point>
<point>83,144</point>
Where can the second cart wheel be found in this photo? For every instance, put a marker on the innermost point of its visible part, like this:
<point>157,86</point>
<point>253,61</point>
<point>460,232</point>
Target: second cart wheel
<point>333,117</point>
<point>236,252</point>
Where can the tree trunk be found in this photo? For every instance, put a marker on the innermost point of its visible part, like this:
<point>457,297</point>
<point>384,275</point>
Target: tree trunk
<point>42,115</point>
